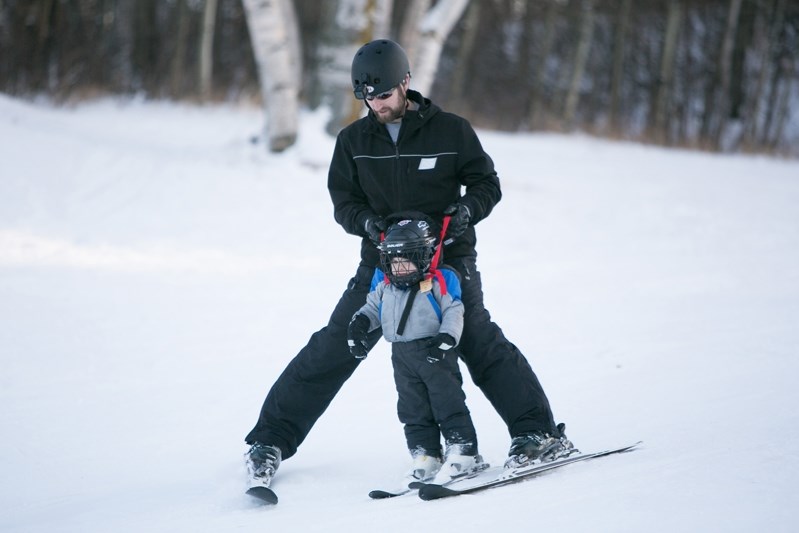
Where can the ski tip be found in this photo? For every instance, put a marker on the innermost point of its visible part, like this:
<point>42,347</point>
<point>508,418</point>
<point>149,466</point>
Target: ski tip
<point>264,494</point>
<point>435,492</point>
<point>383,494</point>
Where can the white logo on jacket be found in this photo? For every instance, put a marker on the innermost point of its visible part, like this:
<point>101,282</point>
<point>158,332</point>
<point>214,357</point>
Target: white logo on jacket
<point>427,163</point>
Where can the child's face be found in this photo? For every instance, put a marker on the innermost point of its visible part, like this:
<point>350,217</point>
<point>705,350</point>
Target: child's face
<point>401,266</point>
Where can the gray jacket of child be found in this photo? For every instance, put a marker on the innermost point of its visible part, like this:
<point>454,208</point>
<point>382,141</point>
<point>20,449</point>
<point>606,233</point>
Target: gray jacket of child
<point>434,311</point>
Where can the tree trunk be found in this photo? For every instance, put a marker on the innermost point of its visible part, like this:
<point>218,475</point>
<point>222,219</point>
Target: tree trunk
<point>295,42</point>
<point>465,52</point>
<point>617,76</point>
<point>178,66</point>
<point>145,45</point>
<point>349,25</point>
<point>580,60</point>
<point>379,12</point>
<point>774,59</point>
<point>666,78</point>
<point>207,49</point>
<point>121,62</point>
<point>535,110</point>
<point>762,52</point>
<point>409,32</point>
<point>725,71</point>
<point>434,29</point>
<point>782,106</point>
<point>269,23</point>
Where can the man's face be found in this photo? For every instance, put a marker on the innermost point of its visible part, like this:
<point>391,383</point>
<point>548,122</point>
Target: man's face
<point>390,109</point>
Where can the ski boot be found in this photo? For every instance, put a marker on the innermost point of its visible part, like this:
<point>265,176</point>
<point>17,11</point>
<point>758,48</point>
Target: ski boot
<point>423,469</point>
<point>458,463</point>
<point>538,447</point>
<point>262,463</point>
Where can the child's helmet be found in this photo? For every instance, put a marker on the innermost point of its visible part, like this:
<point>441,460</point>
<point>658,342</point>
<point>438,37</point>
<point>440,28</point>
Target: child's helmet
<point>412,240</point>
<point>377,67</point>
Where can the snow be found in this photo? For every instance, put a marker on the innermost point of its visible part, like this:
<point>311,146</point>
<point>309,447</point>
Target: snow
<point>158,270</point>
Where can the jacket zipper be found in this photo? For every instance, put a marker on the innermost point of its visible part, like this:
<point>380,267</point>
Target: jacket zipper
<point>397,176</point>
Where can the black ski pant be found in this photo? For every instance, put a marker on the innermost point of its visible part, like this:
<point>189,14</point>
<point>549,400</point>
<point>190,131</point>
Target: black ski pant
<point>430,400</point>
<point>311,380</point>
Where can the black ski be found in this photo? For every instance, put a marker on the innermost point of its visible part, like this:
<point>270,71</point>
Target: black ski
<point>384,494</point>
<point>378,494</point>
<point>264,494</point>
<point>429,491</point>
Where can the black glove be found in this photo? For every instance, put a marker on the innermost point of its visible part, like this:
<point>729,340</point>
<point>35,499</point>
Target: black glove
<point>375,226</point>
<point>460,216</point>
<point>440,346</point>
<point>356,336</point>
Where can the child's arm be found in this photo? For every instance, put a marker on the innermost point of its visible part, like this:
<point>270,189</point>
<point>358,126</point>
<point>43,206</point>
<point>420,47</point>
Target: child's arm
<point>451,317</point>
<point>371,309</point>
<point>363,321</point>
<point>451,305</point>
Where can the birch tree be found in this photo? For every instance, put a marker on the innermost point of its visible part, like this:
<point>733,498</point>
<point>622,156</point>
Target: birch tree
<point>434,29</point>
<point>273,28</point>
<point>465,52</point>
<point>409,31</point>
<point>350,24</point>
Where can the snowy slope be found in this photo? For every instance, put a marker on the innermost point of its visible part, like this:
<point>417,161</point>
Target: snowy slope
<point>158,271</point>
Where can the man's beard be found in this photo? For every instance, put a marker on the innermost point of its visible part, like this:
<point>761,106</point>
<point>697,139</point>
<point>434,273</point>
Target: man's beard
<point>395,112</point>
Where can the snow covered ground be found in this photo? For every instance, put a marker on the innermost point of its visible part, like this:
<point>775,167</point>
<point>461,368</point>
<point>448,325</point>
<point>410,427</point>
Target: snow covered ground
<point>158,270</point>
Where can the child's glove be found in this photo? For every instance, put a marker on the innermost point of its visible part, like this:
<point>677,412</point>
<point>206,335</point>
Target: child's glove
<point>440,346</point>
<point>356,336</point>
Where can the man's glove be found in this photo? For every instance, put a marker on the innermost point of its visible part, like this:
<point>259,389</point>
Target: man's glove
<point>356,336</point>
<point>375,226</point>
<point>459,221</point>
<point>440,346</point>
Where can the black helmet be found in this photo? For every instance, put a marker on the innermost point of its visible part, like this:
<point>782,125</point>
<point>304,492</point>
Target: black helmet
<point>413,241</point>
<point>377,67</point>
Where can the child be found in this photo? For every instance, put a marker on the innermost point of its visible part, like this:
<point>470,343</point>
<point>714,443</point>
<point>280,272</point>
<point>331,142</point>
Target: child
<point>420,311</point>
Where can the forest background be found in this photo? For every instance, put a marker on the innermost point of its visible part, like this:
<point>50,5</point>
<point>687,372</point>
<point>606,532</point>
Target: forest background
<point>709,74</point>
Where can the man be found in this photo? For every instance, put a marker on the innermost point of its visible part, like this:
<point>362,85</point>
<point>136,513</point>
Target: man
<point>406,154</point>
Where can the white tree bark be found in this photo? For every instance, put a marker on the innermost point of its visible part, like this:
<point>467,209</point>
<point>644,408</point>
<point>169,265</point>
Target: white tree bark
<point>409,31</point>
<point>434,29</point>
<point>350,24</point>
<point>294,38</point>
<point>274,35</point>
<point>380,15</point>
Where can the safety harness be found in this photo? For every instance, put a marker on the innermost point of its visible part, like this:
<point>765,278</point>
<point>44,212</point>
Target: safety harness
<point>432,272</point>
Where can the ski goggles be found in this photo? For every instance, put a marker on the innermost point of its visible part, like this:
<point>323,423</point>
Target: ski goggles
<point>362,93</point>
<point>382,96</point>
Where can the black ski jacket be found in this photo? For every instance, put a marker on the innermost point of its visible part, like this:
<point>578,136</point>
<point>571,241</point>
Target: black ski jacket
<point>436,154</point>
